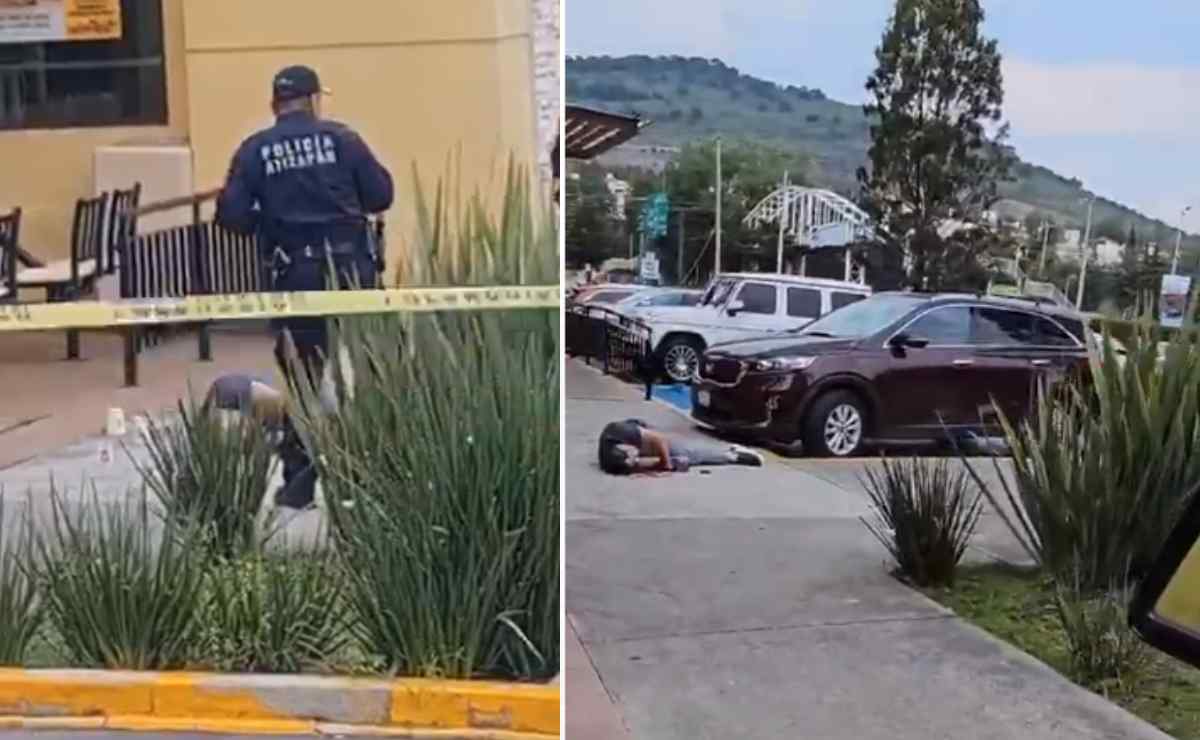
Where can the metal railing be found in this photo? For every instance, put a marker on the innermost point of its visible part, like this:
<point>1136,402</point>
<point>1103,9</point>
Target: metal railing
<point>620,344</point>
<point>195,258</point>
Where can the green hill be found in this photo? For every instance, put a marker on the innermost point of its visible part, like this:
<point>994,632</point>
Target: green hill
<point>693,98</point>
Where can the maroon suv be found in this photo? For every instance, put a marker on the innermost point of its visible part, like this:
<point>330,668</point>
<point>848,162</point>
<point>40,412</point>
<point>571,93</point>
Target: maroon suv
<point>897,367</point>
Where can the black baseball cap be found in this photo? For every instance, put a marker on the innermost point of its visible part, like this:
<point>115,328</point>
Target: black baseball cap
<point>296,82</point>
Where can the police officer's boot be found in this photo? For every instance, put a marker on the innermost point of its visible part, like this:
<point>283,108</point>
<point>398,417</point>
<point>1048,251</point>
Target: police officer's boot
<point>299,474</point>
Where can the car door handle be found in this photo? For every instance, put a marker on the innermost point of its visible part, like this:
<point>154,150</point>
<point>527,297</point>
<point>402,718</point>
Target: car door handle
<point>1040,363</point>
<point>962,363</point>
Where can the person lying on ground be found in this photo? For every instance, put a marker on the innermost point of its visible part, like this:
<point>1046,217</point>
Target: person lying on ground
<point>632,446</point>
<point>254,398</point>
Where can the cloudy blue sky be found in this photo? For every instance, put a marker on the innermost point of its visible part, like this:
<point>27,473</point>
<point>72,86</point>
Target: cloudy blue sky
<point>1104,90</point>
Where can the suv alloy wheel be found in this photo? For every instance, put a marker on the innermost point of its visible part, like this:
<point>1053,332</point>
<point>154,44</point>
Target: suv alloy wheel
<point>836,425</point>
<point>681,358</point>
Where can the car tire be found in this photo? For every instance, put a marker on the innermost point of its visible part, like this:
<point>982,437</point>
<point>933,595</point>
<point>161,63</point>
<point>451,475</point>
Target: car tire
<point>681,356</point>
<point>836,425</point>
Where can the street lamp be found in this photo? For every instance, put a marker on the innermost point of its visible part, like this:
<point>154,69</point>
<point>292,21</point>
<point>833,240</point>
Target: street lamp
<point>1178,242</point>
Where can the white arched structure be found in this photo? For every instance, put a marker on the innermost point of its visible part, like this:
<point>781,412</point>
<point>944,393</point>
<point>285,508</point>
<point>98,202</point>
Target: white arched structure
<point>812,218</point>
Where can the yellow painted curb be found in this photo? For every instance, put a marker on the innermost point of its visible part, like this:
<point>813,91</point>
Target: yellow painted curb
<point>66,699</point>
<point>483,706</point>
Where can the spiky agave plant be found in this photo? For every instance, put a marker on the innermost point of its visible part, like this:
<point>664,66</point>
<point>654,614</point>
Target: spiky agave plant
<point>122,589</point>
<point>441,469</point>
<point>205,469</point>
<point>21,605</point>
<point>1101,471</point>
<point>925,514</point>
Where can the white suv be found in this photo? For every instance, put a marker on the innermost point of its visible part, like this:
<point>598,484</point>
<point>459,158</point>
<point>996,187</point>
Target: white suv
<point>739,306</point>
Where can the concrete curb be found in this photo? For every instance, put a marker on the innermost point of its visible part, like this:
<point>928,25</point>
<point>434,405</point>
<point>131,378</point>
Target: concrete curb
<point>76,699</point>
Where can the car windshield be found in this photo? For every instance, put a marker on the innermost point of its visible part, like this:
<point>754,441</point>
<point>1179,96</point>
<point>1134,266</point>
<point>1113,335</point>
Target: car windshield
<point>864,318</point>
<point>609,296</point>
<point>717,293</point>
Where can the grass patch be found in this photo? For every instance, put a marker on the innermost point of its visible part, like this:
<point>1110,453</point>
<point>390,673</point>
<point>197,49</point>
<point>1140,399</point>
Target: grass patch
<point>1019,607</point>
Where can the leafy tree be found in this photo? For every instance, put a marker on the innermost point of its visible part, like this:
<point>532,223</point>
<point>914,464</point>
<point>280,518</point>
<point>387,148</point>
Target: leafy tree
<point>696,115</point>
<point>750,171</point>
<point>592,235</point>
<point>936,90</point>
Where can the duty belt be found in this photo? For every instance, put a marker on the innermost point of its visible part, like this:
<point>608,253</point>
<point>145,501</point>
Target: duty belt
<point>318,251</point>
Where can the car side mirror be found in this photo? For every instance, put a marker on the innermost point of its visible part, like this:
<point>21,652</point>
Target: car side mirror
<point>906,341</point>
<point>736,307</point>
<point>1165,610</point>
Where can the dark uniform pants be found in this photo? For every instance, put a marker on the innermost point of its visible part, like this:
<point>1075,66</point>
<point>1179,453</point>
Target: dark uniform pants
<point>310,340</point>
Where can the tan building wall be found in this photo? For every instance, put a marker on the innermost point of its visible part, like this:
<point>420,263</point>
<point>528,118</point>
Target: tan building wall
<point>420,81</point>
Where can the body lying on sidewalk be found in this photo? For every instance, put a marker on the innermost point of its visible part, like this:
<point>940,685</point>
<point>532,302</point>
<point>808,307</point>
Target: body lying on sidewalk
<point>632,446</point>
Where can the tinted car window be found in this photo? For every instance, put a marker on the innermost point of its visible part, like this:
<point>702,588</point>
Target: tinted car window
<point>949,325</point>
<point>997,326</point>
<point>1049,334</point>
<point>804,302</point>
<point>1074,327</point>
<point>841,300</point>
<point>758,298</point>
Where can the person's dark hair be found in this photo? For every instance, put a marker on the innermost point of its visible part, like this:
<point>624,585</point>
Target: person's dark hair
<point>613,461</point>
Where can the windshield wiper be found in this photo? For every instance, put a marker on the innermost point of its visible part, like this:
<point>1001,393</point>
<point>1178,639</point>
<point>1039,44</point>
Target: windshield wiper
<point>824,334</point>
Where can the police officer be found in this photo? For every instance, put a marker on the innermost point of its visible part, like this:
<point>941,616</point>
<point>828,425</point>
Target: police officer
<point>306,186</point>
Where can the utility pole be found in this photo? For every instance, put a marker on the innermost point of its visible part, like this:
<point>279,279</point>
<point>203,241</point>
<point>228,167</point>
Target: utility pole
<point>1045,245</point>
<point>1087,241</point>
<point>679,253</point>
<point>717,271</point>
<point>1178,242</point>
<point>783,217</point>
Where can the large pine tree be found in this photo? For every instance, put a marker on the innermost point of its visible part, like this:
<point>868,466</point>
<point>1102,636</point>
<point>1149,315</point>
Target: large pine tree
<point>937,137</point>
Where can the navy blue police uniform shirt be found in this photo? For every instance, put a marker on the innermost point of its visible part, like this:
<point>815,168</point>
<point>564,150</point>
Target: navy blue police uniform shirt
<point>310,179</point>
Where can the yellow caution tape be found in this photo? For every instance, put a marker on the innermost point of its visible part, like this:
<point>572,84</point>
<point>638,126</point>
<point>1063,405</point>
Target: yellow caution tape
<point>105,314</point>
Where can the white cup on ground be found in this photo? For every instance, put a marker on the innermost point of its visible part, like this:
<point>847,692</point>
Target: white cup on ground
<point>115,423</point>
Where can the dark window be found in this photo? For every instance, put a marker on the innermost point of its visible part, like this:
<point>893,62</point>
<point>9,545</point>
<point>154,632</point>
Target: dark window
<point>943,326</point>
<point>841,300</point>
<point>1050,334</point>
<point>1074,327</point>
<point>994,326</point>
<point>758,298</point>
<point>804,302</point>
<point>67,84</point>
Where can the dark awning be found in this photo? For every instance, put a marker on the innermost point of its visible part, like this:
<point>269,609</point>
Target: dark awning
<point>591,133</point>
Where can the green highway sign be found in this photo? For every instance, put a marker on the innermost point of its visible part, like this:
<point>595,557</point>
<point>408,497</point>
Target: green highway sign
<point>655,213</point>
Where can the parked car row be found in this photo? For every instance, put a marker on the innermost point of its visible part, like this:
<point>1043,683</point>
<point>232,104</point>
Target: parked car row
<point>894,367</point>
<point>736,306</point>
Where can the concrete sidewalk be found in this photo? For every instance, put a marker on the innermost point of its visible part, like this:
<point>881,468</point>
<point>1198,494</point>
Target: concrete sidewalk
<point>752,603</point>
<point>53,414</point>
<point>50,403</point>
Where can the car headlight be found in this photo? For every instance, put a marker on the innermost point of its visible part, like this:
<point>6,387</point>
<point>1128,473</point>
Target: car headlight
<point>783,364</point>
